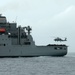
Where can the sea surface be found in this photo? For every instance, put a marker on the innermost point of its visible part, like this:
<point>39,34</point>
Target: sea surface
<point>43,65</point>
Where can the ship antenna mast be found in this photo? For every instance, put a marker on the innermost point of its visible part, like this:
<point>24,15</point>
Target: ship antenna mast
<point>28,29</point>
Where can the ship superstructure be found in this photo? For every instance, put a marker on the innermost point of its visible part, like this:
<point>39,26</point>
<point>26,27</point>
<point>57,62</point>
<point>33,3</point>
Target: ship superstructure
<point>17,41</point>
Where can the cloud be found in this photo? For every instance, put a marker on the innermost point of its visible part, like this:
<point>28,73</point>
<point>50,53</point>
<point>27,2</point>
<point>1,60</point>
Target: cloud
<point>16,5</point>
<point>64,23</point>
<point>47,17</point>
<point>60,25</point>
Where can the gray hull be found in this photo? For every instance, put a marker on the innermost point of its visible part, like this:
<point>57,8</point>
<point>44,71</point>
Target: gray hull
<point>31,51</point>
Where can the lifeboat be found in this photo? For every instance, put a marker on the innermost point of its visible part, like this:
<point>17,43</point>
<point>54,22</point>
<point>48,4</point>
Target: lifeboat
<point>2,30</point>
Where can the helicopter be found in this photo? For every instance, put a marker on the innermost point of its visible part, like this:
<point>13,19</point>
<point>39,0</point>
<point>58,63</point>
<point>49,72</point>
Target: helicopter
<point>59,39</point>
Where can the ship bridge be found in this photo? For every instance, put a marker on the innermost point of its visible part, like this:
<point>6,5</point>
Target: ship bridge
<point>2,19</point>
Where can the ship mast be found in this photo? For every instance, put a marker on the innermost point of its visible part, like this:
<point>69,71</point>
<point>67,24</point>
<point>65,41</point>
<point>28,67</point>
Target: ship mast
<point>19,35</point>
<point>28,29</point>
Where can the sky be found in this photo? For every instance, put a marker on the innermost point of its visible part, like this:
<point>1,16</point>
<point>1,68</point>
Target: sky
<point>48,19</point>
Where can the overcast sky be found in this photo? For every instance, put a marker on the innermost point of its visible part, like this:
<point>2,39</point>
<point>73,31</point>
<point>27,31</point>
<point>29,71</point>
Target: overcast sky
<point>48,18</point>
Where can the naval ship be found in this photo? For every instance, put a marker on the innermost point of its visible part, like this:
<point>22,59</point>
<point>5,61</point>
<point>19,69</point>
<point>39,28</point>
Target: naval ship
<point>18,41</point>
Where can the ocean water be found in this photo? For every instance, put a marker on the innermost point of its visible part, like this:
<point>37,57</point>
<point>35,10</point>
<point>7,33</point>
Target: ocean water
<point>43,65</point>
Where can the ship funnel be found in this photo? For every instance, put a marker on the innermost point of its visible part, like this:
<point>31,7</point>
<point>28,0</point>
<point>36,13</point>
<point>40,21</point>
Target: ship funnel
<point>2,19</point>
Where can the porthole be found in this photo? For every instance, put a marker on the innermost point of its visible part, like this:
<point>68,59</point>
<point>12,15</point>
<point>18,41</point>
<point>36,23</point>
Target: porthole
<point>4,44</point>
<point>55,47</point>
